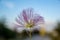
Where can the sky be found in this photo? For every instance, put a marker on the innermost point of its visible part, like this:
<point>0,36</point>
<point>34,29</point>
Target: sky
<point>49,9</point>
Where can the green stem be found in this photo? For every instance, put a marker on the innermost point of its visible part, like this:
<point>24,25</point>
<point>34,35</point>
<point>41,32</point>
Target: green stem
<point>30,34</point>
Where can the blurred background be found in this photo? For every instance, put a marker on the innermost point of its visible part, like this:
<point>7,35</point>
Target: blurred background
<point>49,9</point>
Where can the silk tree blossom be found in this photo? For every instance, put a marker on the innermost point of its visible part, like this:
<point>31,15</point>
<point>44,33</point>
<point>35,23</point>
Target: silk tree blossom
<point>27,18</point>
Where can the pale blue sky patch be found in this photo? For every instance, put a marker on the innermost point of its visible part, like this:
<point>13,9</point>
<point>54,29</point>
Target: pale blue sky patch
<point>49,9</point>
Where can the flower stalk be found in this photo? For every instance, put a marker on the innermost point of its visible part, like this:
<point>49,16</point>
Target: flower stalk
<point>30,35</point>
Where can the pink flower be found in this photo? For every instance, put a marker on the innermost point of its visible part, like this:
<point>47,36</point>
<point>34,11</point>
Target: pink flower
<point>29,19</point>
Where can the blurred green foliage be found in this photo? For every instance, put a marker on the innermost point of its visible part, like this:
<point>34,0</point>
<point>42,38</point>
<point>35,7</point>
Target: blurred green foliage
<point>5,33</point>
<point>57,29</point>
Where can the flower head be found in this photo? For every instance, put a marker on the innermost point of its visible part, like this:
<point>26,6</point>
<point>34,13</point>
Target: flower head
<point>28,18</point>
